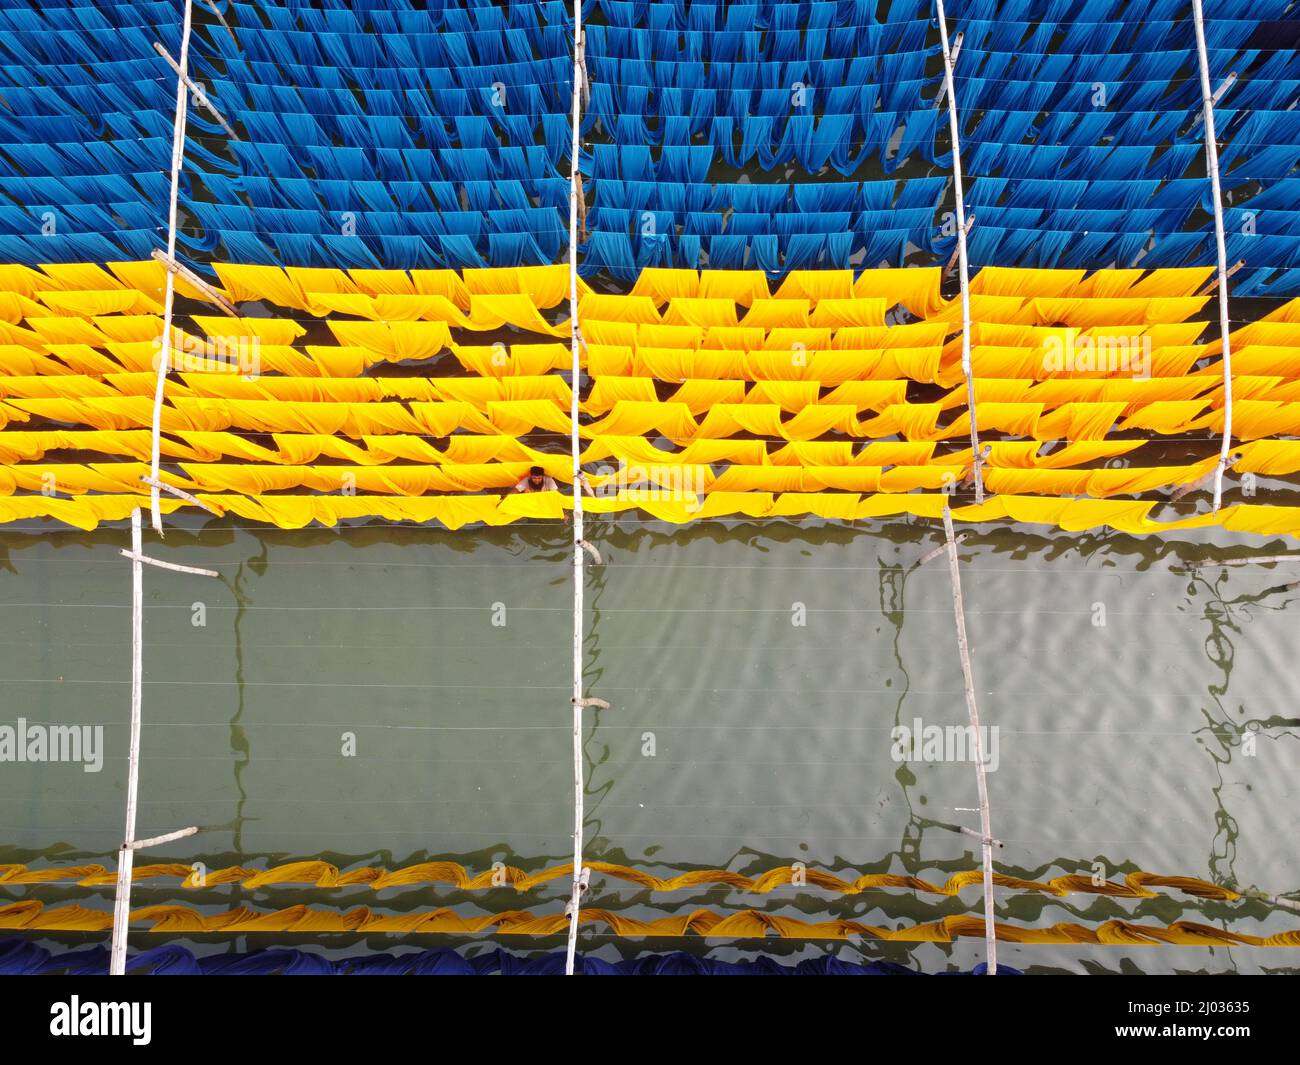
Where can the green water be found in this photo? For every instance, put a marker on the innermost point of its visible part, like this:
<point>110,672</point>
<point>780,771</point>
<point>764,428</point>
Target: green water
<point>754,672</point>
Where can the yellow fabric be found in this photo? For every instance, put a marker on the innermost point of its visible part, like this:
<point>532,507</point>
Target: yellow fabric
<point>522,416</point>
<point>90,303</point>
<point>806,370</point>
<point>1079,421</point>
<point>1165,417</point>
<point>770,313</point>
<point>790,396</point>
<point>816,285</point>
<point>321,874</point>
<point>609,390</point>
<point>632,418</point>
<point>700,395</point>
<point>734,286</point>
<point>916,288</point>
<point>683,310</point>
<point>1272,457</point>
<point>1018,281</point>
<point>454,511</point>
<point>661,284</point>
<point>445,283</point>
<point>394,340</point>
<point>31,915</point>
<point>270,283</point>
<point>850,312</point>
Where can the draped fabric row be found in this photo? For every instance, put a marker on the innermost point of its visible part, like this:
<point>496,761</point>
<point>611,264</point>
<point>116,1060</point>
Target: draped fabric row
<point>321,874</point>
<point>373,138</point>
<point>687,97</point>
<point>746,924</point>
<point>713,394</point>
<point>439,138</point>
<point>457,511</point>
<point>85,141</point>
<point>1270,457</point>
<point>680,94</point>
<point>1100,129</point>
<point>1070,421</point>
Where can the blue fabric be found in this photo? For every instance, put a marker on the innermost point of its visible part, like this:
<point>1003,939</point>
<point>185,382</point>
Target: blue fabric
<point>410,135</point>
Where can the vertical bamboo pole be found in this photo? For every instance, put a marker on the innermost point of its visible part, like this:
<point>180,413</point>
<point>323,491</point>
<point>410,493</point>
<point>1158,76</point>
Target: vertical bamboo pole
<point>1212,160</point>
<point>575,444</point>
<point>968,682</point>
<point>169,297</point>
<point>126,855</point>
<point>963,264</point>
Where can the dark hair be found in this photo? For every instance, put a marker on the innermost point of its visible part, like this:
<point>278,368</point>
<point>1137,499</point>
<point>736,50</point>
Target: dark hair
<point>537,471</point>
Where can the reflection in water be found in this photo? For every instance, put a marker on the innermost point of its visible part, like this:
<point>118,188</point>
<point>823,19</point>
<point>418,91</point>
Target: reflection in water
<point>1230,730</point>
<point>893,584</point>
<point>594,754</point>
<point>238,737</point>
<point>674,571</point>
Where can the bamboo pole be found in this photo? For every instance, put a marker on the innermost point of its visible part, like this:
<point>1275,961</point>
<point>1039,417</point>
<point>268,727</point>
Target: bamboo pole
<point>575,446</point>
<point>1212,159</point>
<point>169,298</point>
<point>126,855</point>
<point>192,278</point>
<point>1261,560</point>
<point>968,681</point>
<point>200,97</point>
<point>963,263</point>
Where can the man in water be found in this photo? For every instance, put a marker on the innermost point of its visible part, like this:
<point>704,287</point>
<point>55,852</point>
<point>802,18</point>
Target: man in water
<point>536,481</point>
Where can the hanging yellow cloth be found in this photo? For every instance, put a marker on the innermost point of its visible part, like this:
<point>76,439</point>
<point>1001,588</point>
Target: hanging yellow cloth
<point>208,445</point>
<point>662,283</point>
<point>790,396</point>
<point>816,285</point>
<point>916,288</point>
<point>631,418</point>
<point>1271,457</point>
<point>734,286</point>
<point>522,416</point>
<point>857,311</point>
<point>88,304</point>
<point>683,310</point>
<point>868,395</point>
<point>1172,281</point>
<point>772,313</point>
<point>915,421</point>
<point>1024,282</point>
<point>1166,417</point>
<point>700,395</point>
<point>597,307</point>
<point>1079,421</point>
<point>445,283</point>
<point>609,390</point>
<point>733,337</point>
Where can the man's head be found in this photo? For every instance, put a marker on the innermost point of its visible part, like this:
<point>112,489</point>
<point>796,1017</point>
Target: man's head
<point>537,477</point>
